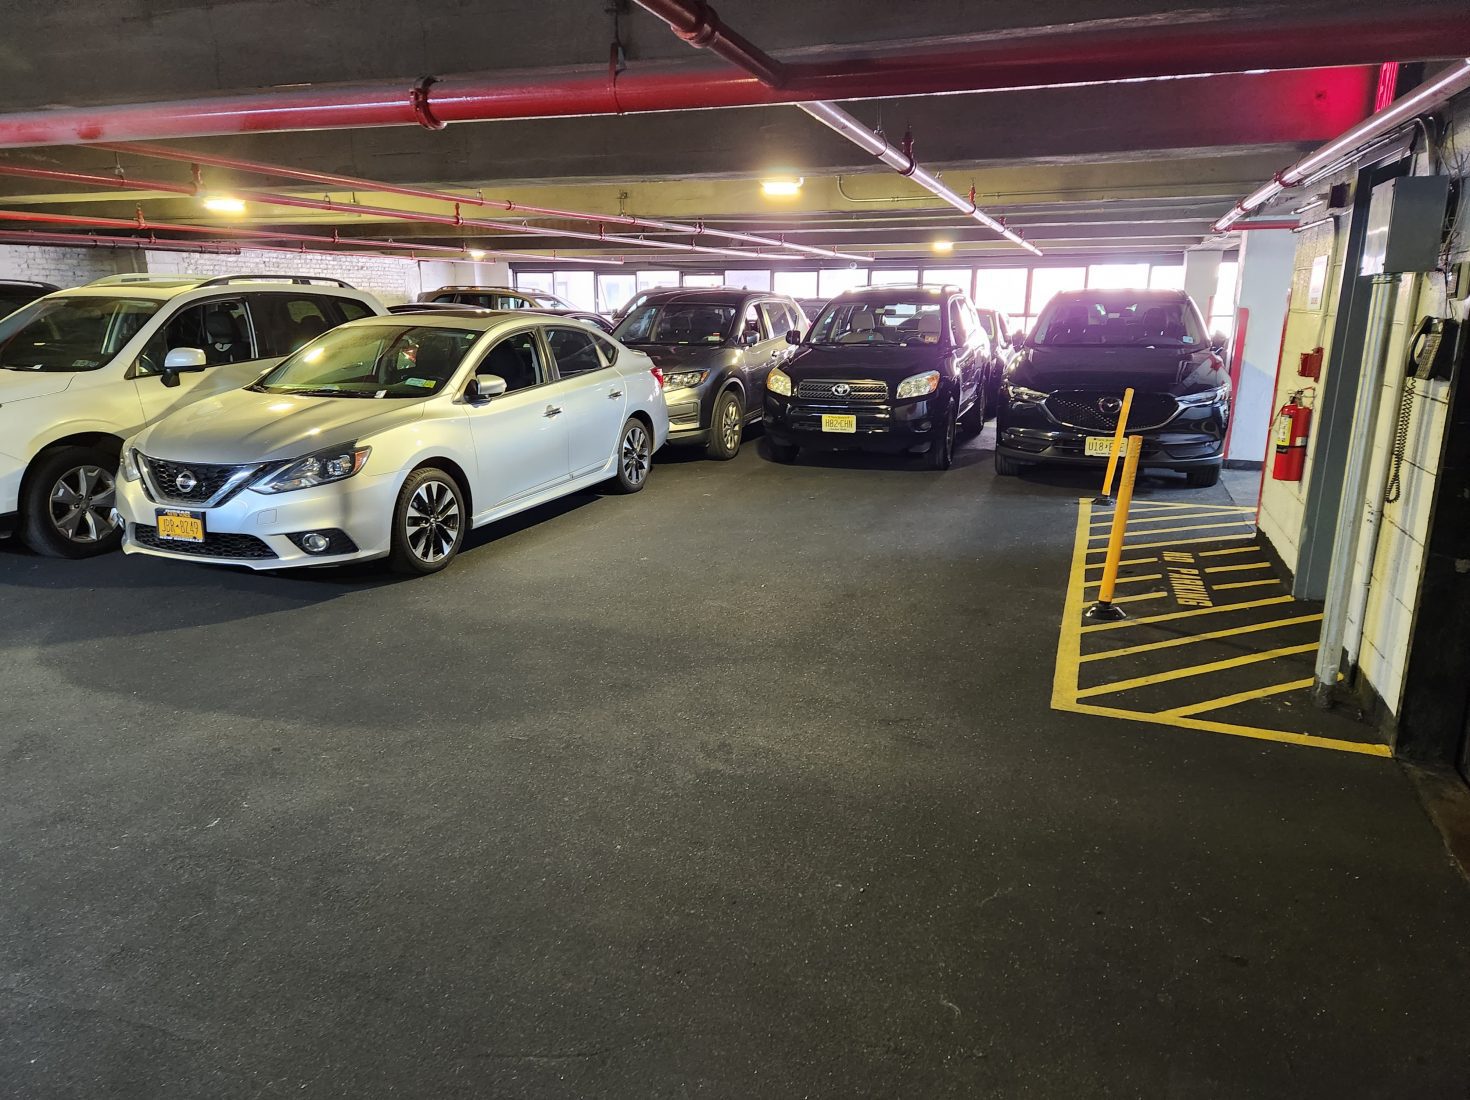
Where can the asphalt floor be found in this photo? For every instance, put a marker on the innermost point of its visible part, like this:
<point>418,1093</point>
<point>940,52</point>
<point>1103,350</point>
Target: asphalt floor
<point>746,786</point>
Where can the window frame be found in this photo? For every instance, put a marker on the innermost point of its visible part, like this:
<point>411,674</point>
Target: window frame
<point>546,331</point>
<point>166,318</point>
<point>543,348</point>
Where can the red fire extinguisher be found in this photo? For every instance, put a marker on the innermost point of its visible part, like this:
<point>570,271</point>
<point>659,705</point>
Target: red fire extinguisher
<point>1293,425</point>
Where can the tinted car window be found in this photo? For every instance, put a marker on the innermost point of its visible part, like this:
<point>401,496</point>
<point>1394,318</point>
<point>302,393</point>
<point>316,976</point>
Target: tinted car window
<point>350,309</point>
<point>1118,319</point>
<point>71,334</point>
<point>285,322</point>
<point>221,329</point>
<point>609,350</point>
<point>678,323</point>
<point>779,319</point>
<point>518,360</point>
<point>573,350</point>
<point>373,361</point>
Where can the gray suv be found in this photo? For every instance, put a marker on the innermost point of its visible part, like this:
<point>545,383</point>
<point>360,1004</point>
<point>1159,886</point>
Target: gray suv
<point>715,347</point>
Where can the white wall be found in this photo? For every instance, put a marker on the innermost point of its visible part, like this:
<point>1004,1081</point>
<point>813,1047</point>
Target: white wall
<point>1264,288</point>
<point>66,267</point>
<point>436,273</point>
<point>1201,272</point>
<point>390,279</point>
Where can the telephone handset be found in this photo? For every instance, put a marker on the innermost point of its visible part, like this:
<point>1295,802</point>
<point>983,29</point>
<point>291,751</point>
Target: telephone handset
<point>1434,349</point>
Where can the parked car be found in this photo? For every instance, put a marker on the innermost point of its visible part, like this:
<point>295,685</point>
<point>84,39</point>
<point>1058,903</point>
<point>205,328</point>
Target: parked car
<point>85,368</point>
<point>1064,392</point>
<point>886,369</point>
<point>495,297</point>
<point>15,293</point>
<point>596,319</point>
<point>812,307</point>
<point>392,437</point>
<point>716,347</point>
<point>1004,343</point>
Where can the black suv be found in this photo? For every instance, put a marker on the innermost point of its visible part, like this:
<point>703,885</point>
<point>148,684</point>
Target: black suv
<point>885,369</point>
<point>1063,392</point>
<point>494,297</point>
<point>715,347</point>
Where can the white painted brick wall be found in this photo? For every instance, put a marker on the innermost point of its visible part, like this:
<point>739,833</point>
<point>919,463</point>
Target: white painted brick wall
<point>66,267</point>
<point>390,280</point>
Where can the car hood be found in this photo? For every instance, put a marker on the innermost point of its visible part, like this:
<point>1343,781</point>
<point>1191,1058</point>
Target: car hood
<point>246,426</point>
<point>18,385</point>
<point>864,361</point>
<point>684,356</point>
<point>1156,370</point>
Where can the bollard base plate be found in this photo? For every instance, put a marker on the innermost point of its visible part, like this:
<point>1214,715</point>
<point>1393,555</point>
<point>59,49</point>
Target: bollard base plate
<point>1105,612</point>
<point>1103,502</point>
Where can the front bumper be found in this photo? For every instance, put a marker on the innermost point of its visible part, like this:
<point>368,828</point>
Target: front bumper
<point>251,528</point>
<point>12,470</point>
<point>886,428</point>
<point>1161,449</point>
<point>689,413</point>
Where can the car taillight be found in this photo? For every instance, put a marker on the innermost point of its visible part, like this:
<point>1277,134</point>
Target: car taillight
<point>658,375</point>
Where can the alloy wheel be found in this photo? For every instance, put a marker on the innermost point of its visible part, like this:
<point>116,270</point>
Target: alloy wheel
<point>81,501</point>
<point>432,521</point>
<point>730,427</point>
<point>634,454</point>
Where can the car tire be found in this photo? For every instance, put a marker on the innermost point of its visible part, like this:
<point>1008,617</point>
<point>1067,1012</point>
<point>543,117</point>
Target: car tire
<point>69,494</point>
<point>973,422</point>
<point>726,427</point>
<point>992,392</point>
<point>784,453</point>
<point>1202,479</point>
<point>429,523</point>
<point>1008,467</point>
<point>634,456</point>
<point>941,451</point>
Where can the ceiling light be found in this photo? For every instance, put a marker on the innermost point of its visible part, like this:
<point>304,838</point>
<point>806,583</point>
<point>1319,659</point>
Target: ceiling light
<point>475,253</point>
<point>943,245</point>
<point>782,186</point>
<point>224,204</point>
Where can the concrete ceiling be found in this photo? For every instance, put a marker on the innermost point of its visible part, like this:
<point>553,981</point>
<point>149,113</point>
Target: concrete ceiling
<point>1121,167</point>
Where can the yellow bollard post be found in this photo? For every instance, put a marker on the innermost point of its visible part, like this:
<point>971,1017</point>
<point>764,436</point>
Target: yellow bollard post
<point>1106,498</point>
<point>1105,609</point>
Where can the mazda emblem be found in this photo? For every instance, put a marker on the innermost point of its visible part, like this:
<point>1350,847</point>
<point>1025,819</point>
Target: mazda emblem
<point>186,482</point>
<point>842,389</point>
<point>1110,405</point>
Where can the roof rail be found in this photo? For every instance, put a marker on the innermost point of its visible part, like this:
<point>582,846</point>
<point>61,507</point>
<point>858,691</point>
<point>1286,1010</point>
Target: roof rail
<point>301,280</point>
<point>141,277</point>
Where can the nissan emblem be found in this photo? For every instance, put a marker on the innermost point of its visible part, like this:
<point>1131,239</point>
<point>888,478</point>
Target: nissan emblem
<point>186,482</point>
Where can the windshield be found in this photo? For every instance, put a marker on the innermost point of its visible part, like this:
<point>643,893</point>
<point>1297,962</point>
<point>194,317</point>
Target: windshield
<point>71,334</point>
<point>374,361</point>
<point>680,323</point>
<point>1118,321</point>
<point>893,324</point>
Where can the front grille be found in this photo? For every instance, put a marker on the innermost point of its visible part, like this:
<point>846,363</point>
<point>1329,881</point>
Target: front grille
<point>1085,409</point>
<point>209,481</point>
<point>215,544</point>
<point>864,391</point>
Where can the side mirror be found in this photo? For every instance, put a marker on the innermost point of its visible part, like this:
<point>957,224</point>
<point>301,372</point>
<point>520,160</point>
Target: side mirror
<point>483,387</point>
<point>184,359</point>
<point>793,336</point>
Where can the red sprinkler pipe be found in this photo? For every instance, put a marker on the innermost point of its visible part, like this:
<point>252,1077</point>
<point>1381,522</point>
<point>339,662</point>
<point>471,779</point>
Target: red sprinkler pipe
<point>89,240</point>
<point>353,183</point>
<point>1088,52</point>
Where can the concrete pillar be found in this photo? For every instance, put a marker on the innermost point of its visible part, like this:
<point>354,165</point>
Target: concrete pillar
<point>1267,259</point>
<point>1201,271</point>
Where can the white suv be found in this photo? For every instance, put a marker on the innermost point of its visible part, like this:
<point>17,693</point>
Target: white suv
<point>83,369</point>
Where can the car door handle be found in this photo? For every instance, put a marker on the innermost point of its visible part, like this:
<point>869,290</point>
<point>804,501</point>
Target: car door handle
<point>613,395</point>
<point>552,410</point>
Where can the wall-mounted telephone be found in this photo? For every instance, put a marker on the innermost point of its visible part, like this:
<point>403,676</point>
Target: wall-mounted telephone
<point>1437,345</point>
<point>1434,349</point>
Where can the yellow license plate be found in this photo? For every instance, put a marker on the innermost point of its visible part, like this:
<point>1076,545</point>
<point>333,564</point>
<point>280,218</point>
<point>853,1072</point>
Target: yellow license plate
<point>181,526</point>
<point>836,422</point>
<point>1098,446</point>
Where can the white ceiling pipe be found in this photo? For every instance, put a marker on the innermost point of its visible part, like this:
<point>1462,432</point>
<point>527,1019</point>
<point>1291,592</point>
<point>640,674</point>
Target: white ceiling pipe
<point>1426,97</point>
<point>833,116</point>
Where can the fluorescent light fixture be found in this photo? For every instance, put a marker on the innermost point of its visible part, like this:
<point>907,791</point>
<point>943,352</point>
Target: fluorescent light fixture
<point>782,186</point>
<point>224,204</point>
<point>943,245</point>
<point>475,253</point>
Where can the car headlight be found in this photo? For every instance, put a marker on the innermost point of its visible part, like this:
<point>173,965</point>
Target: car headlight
<point>1217,396</point>
<point>129,465</point>
<point>337,464</point>
<point>1023,396</point>
<point>918,385</point>
<point>684,379</point>
<point>778,381</point>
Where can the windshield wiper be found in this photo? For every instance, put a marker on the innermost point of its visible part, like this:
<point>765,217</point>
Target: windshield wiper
<point>328,392</point>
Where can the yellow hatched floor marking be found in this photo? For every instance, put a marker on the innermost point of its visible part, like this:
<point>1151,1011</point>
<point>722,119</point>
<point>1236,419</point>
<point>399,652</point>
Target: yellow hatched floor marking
<point>1141,596</point>
<point>1069,659</point>
<point>1190,639</point>
<point>1178,504</point>
<point>1178,542</point>
<point>1237,568</point>
<point>1189,527</point>
<point>1126,580</point>
<point>1195,670</point>
<point>1244,584</point>
<point>1231,550</point>
<point>1095,627</point>
<point>1223,701</point>
<point>1125,561</point>
<point>1168,517</point>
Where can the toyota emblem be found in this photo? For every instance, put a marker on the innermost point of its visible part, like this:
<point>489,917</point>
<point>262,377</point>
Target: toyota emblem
<point>842,389</point>
<point>186,481</point>
<point>1109,405</point>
